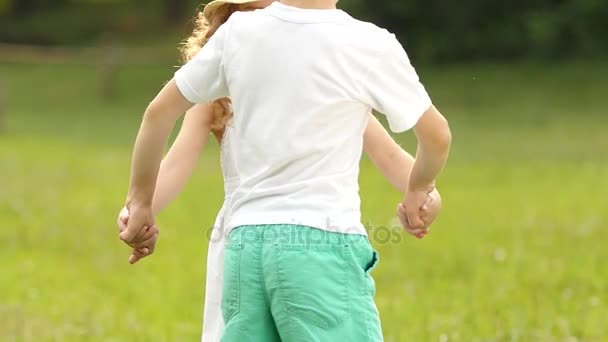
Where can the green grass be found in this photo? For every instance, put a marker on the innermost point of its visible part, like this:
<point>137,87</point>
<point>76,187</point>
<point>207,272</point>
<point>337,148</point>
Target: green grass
<point>517,254</point>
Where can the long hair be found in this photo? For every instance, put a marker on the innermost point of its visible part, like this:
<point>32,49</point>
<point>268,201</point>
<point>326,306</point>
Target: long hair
<point>204,28</point>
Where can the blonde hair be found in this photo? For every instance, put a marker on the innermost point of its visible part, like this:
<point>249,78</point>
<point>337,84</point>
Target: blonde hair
<point>204,28</point>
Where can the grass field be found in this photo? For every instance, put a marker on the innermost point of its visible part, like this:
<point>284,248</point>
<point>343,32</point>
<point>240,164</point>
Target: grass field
<point>517,255</point>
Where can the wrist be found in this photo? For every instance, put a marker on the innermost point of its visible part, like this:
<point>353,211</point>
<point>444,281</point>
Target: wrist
<point>420,186</point>
<point>420,178</point>
<point>138,202</point>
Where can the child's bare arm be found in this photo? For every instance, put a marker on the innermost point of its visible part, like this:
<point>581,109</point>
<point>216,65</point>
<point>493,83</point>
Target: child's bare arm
<point>201,80</point>
<point>434,141</point>
<point>394,162</point>
<point>179,163</point>
<point>159,119</point>
<point>176,168</point>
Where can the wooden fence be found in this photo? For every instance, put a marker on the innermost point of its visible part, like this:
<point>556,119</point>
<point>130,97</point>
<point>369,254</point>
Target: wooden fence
<point>10,53</point>
<point>106,58</point>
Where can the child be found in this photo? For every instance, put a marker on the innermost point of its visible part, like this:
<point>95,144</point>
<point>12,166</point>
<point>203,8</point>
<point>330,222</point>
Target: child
<point>302,81</point>
<point>179,163</point>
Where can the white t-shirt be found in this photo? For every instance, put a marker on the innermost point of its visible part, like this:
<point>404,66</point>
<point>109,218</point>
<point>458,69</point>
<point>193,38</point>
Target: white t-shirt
<point>302,84</point>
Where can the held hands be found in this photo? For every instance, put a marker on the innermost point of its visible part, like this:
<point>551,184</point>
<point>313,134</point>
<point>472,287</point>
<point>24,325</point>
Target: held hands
<point>419,211</point>
<point>138,230</point>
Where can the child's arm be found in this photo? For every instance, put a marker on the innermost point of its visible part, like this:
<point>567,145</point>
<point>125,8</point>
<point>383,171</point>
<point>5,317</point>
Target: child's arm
<point>396,165</point>
<point>179,163</point>
<point>434,141</point>
<point>392,87</point>
<point>177,166</point>
<point>201,80</point>
<point>159,119</point>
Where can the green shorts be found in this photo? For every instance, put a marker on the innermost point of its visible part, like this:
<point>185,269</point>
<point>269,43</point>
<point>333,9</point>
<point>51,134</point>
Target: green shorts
<point>295,283</point>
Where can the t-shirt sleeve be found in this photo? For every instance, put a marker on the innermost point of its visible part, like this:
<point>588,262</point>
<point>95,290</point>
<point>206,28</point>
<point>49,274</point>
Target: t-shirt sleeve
<point>202,79</point>
<point>393,88</point>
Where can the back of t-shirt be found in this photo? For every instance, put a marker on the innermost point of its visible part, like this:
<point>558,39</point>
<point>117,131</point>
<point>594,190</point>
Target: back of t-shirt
<point>303,83</point>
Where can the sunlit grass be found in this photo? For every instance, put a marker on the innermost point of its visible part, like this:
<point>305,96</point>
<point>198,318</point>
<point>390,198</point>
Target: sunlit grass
<point>516,255</point>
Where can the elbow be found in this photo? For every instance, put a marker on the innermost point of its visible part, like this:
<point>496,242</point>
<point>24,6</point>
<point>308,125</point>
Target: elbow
<point>443,134</point>
<point>162,111</point>
<point>154,112</point>
<point>446,139</point>
<point>433,131</point>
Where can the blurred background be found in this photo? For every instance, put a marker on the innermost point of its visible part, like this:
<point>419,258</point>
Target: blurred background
<point>517,254</point>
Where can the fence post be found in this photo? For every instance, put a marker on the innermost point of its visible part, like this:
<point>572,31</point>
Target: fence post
<point>108,70</point>
<point>3,106</point>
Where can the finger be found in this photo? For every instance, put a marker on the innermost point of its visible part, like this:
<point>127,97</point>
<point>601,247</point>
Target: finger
<point>122,221</point>
<point>417,231</point>
<point>414,220</point>
<point>402,212</point>
<point>401,209</point>
<point>148,242</point>
<point>413,217</point>
<point>124,216</point>
<point>427,203</point>
<point>422,235</point>
<point>145,235</point>
<point>153,230</point>
<point>141,234</point>
<point>121,225</point>
<point>402,215</point>
<point>427,218</point>
<point>142,253</point>
<point>151,249</point>
<point>135,257</point>
<point>135,229</point>
<point>128,235</point>
<point>138,254</point>
<point>431,215</point>
<point>144,232</point>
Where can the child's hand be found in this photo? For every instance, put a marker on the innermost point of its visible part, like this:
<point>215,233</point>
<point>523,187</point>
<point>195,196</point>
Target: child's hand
<point>427,213</point>
<point>149,238</point>
<point>412,204</point>
<point>431,208</point>
<point>123,218</point>
<point>145,249</point>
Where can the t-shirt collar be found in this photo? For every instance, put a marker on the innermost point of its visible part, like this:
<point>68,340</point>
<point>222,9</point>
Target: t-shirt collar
<point>301,15</point>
